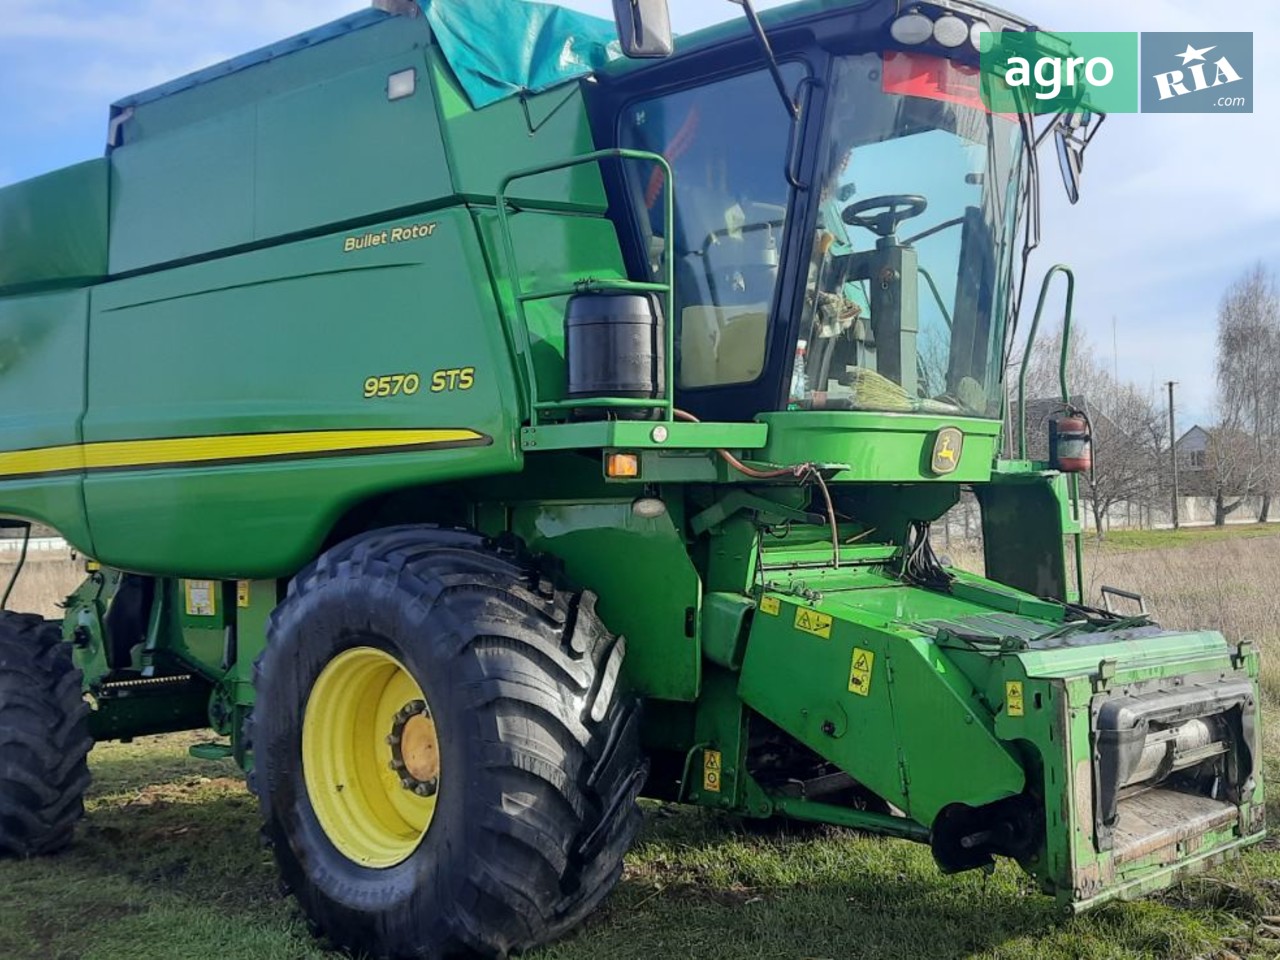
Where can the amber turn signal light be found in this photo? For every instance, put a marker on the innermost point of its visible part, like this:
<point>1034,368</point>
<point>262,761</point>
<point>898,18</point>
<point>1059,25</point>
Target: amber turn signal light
<point>621,465</point>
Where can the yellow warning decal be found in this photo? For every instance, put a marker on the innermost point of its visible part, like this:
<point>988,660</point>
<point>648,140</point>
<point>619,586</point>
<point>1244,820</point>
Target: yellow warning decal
<point>860,667</point>
<point>771,605</point>
<point>711,771</point>
<point>202,598</point>
<point>1013,705</point>
<point>811,621</point>
<point>242,593</point>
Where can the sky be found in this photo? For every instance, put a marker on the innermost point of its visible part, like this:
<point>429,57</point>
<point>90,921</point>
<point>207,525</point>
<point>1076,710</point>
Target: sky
<point>1174,207</point>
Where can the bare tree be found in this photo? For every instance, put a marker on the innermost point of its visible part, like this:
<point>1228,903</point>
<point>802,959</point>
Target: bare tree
<point>1232,466</point>
<point>1129,432</point>
<point>1248,422</point>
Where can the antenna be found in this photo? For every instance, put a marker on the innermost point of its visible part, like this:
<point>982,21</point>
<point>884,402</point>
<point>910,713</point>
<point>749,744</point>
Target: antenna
<point>762,38</point>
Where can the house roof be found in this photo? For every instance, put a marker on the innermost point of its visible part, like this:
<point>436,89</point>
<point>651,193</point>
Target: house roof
<point>1197,433</point>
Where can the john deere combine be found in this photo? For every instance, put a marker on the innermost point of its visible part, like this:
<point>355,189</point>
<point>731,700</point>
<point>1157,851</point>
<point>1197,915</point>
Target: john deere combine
<point>479,430</point>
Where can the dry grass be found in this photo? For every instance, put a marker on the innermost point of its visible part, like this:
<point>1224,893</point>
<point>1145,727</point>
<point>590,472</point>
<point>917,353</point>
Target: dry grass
<point>1228,585</point>
<point>46,580</point>
<point>1204,580</point>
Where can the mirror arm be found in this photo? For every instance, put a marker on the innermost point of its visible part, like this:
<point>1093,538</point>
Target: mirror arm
<point>1049,128</point>
<point>1102,118</point>
<point>757,28</point>
<point>1026,120</point>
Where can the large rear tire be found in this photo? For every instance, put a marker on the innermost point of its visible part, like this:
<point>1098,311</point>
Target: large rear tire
<point>493,811</point>
<point>44,738</point>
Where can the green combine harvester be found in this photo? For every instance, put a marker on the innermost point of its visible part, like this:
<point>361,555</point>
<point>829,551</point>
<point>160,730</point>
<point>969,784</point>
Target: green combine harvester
<point>479,429</point>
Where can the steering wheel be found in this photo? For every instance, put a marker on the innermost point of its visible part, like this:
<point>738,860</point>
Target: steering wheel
<point>896,208</point>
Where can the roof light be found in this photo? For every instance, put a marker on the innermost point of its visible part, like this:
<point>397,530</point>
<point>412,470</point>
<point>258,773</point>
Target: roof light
<point>976,33</point>
<point>950,31</point>
<point>402,84</point>
<point>911,28</point>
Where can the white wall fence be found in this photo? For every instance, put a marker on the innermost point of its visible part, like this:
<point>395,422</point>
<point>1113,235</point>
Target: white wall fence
<point>1192,512</point>
<point>964,522</point>
<point>10,547</point>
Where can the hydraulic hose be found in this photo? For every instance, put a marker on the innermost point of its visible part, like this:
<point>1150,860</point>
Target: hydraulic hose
<point>802,472</point>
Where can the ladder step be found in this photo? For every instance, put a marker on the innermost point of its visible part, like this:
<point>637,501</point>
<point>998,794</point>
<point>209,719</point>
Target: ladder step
<point>210,751</point>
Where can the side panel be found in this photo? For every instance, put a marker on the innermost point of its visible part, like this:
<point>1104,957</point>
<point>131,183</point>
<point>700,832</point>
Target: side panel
<point>340,150</point>
<point>880,447</point>
<point>648,588</point>
<point>517,133</point>
<point>553,251</point>
<point>886,706</point>
<point>265,359</point>
<point>42,396</point>
<point>184,194</point>
<point>53,229</point>
<point>1025,521</point>
<point>294,144</point>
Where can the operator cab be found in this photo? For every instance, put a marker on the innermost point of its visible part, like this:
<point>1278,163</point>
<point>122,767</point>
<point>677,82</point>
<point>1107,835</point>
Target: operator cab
<point>862,255</point>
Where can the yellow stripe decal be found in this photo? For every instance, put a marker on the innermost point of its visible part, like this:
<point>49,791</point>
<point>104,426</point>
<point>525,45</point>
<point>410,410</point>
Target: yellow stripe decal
<point>122,454</point>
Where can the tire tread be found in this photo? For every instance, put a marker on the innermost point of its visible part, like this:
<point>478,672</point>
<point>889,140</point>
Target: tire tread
<point>44,738</point>
<point>564,759</point>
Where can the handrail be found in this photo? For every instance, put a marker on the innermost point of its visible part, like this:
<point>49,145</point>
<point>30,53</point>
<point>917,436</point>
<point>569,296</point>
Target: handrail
<point>1073,482</point>
<point>1031,341</point>
<point>665,289</point>
<point>937,297</point>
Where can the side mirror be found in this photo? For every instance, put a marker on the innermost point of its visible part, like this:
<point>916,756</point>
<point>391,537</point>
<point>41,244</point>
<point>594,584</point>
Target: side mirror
<point>1073,132</point>
<point>644,28</point>
<point>1071,163</point>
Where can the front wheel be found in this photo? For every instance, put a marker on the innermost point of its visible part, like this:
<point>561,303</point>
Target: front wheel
<point>443,760</point>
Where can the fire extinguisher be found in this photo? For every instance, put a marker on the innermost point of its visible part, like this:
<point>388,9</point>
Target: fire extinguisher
<point>1071,442</point>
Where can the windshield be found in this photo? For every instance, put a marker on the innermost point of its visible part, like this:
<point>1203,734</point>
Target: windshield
<point>911,263</point>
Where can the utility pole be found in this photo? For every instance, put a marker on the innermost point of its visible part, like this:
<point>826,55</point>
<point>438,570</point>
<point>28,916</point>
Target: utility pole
<point>1173,455</point>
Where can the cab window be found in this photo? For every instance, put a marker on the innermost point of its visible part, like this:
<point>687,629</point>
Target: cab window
<point>726,142</point>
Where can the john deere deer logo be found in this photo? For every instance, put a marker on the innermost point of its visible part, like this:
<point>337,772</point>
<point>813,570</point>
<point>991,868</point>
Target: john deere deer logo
<point>947,447</point>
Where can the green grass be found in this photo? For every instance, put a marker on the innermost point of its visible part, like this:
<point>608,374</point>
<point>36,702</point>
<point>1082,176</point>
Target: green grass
<point>1184,537</point>
<point>168,866</point>
<point>697,886</point>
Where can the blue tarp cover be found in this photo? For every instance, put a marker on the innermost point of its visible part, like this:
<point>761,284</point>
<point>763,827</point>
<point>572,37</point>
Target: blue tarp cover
<point>499,48</point>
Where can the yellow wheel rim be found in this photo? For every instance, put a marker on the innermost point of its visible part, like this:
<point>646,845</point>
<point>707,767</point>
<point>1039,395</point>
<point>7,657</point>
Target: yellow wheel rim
<point>370,757</point>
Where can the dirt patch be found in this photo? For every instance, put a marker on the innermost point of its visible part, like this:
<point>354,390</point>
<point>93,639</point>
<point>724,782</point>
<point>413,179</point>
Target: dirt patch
<point>197,789</point>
